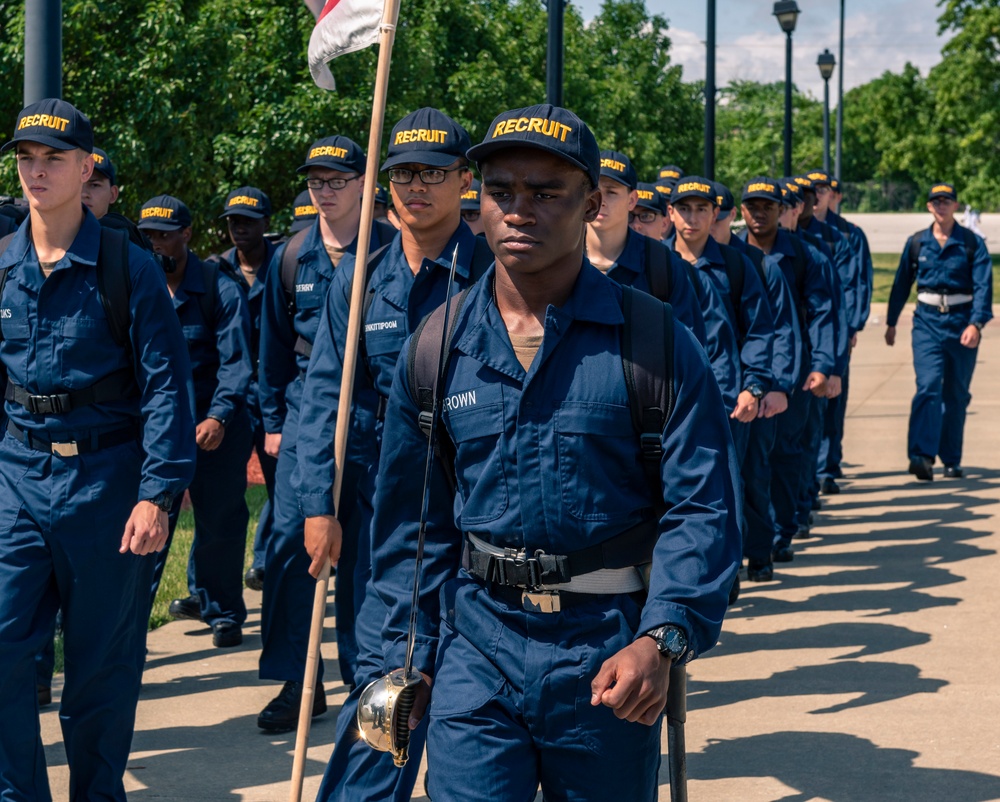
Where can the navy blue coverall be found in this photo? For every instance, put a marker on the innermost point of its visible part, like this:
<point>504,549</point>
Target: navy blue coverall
<point>943,365</point>
<point>255,301</point>
<point>548,459</point>
<point>62,517</point>
<point>219,350</point>
<point>400,300</point>
<point>286,342</point>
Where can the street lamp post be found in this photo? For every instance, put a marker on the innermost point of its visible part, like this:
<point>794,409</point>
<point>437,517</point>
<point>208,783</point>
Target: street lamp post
<point>554,59</point>
<point>42,50</point>
<point>710,94</point>
<point>826,62</point>
<point>787,12</point>
<point>840,96</point>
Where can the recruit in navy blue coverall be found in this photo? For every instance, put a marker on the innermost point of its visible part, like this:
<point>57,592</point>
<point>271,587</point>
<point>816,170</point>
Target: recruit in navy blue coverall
<point>630,269</point>
<point>818,325</point>
<point>943,365</point>
<point>739,351</point>
<point>812,433</point>
<point>219,350</point>
<point>831,449</point>
<point>62,518</point>
<point>288,588</point>
<point>548,459</point>
<point>255,300</point>
<point>400,301</point>
<point>786,365</point>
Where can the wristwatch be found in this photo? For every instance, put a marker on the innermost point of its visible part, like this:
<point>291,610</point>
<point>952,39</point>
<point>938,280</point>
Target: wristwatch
<point>162,500</point>
<point>979,326</point>
<point>756,391</point>
<point>671,641</point>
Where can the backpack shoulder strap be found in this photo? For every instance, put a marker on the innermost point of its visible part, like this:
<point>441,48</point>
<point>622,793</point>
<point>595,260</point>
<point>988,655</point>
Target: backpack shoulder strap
<point>386,231</point>
<point>206,301</point>
<point>914,252</point>
<point>374,260</point>
<point>799,264</point>
<point>114,283</point>
<point>756,257</point>
<point>659,271</point>
<point>482,258</point>
<point>290,266</point>
<point>4,242</point>
<point>648,363</point>
<point>422,366</point>
<point>735,272</point>
<point>971,246</point>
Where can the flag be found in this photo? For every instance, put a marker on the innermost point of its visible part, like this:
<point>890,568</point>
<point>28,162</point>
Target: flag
<point>343,27</point>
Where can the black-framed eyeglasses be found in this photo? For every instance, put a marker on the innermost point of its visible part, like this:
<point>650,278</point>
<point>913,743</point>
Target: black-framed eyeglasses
<point>642,217</point>
<point>333,183</point>
<point>432,175</point>
<point>470,214</point>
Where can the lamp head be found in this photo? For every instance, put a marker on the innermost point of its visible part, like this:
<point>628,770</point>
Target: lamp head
<point>787,12</point>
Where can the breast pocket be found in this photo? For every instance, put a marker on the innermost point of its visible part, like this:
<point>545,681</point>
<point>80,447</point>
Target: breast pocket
<point>598,457</point>
<point>477,433</point>
<point>310,299</point>
<point>14,322</point>
<point>86,348</point>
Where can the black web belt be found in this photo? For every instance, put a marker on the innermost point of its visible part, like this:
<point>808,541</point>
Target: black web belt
<point>72,447</point>
<point>117,386</point>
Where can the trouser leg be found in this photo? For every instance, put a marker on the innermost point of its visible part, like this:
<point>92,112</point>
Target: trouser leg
<point>786,465</point>
<point>758,532</point>
<point>924,436</point>
<point>959,364</point>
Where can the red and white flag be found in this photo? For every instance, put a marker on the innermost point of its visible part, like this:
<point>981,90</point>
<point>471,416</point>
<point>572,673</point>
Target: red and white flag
<point>343,26</point>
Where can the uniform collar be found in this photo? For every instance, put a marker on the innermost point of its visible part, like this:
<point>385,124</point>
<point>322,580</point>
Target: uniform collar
<point>711,255</point>
<point>633,255</point>
<point>955,236</point>
<point>395,281</point>
<point>83,251</point>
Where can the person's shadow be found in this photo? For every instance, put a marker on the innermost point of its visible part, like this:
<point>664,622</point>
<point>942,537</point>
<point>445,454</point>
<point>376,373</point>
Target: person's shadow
<point>836,767</point>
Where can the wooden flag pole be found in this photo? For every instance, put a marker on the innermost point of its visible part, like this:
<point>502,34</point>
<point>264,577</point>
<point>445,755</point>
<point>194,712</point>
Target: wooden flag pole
<point>386,38</point>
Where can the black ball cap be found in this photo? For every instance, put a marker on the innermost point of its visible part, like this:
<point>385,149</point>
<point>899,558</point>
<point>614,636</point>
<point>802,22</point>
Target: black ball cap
<point>762,187</point>
<point>618,167</point>
<point>544,127</point>
<point>427,136</point>
<point>942,190</point>
<point>164,213</point>
<point>102,164</point>
<point>248,202</point>
<point>54,123</point>
<point>335,153</point>
<point>649,197</point>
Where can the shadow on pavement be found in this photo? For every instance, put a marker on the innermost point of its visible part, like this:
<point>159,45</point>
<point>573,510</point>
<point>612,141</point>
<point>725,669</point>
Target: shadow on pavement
<point>837,767</point>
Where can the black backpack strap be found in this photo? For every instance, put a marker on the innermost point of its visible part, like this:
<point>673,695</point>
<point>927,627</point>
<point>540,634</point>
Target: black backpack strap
<point>114,284</point>
<point>422,368</point>
<point>4,242</point>
<point>385,232</point>
<point>206,301</point>
<point>648,363</point>
<point>659,270</point>
<point>735,272</point>
<point>971,246</point>
<point>913,253</point>
<point>756,257</point>
<point>290,267</point>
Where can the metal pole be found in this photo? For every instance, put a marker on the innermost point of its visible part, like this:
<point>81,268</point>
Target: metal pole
<point>826,125</point>
<point>788,103</point>
<point>554,59</point>
<point>42,50</point>
<point>840,95</point>
<point>710,94</point>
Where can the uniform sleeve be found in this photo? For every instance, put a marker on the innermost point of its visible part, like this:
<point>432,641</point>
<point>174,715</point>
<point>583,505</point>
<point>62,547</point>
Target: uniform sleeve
<point>757,325</point>
<point>315,472</point>
<point>842,340</point>
<point>395,527</point>
<point>821,316</point>
<point>684,299</point>
<point>847,265</point>
<point>866,279</point>
<point>277,368</point>
<point>786,363</point>
<point>982,284</point>
<point>901,286</point>
<point>699,549</point>
<point>232,336</point>
<point>163,372</point>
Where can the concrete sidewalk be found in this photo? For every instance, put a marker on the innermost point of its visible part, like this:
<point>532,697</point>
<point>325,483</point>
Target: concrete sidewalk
<point>866,672</point>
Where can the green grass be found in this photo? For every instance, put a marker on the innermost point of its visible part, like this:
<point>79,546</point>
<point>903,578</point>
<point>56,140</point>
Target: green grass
<point>885,271</point>
<point>173,585</point>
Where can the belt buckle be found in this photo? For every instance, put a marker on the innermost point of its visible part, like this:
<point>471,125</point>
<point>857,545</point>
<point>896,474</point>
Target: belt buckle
<point>541,601</point>
<point>944,308</point>
<point>69,449</point>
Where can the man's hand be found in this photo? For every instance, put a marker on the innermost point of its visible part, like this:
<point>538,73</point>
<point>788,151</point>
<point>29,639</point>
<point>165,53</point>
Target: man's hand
<point>146,530</point>
<point>816,384</point>
<point>746,407</point>
<point>834,386</point>
<point>890,335</point>
<point>272,444</point>
<point>854,341</point>
<point>323,539</point>
<point>420,702</point>
<point>970,337</point>
<point>774,403</point>
<point>634,682</point>
<point>208,434</point>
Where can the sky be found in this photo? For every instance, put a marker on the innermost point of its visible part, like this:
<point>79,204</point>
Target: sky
<point>879,35</point>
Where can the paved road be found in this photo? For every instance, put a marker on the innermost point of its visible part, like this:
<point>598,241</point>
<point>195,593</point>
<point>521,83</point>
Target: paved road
<point>867,672</point>
<point>887,233</point>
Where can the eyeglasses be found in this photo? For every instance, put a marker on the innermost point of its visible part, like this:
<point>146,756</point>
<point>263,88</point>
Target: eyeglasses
<point>333,183</point>
<point>470,215</point>
<point>400,175</point>
<point>642,217</point>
